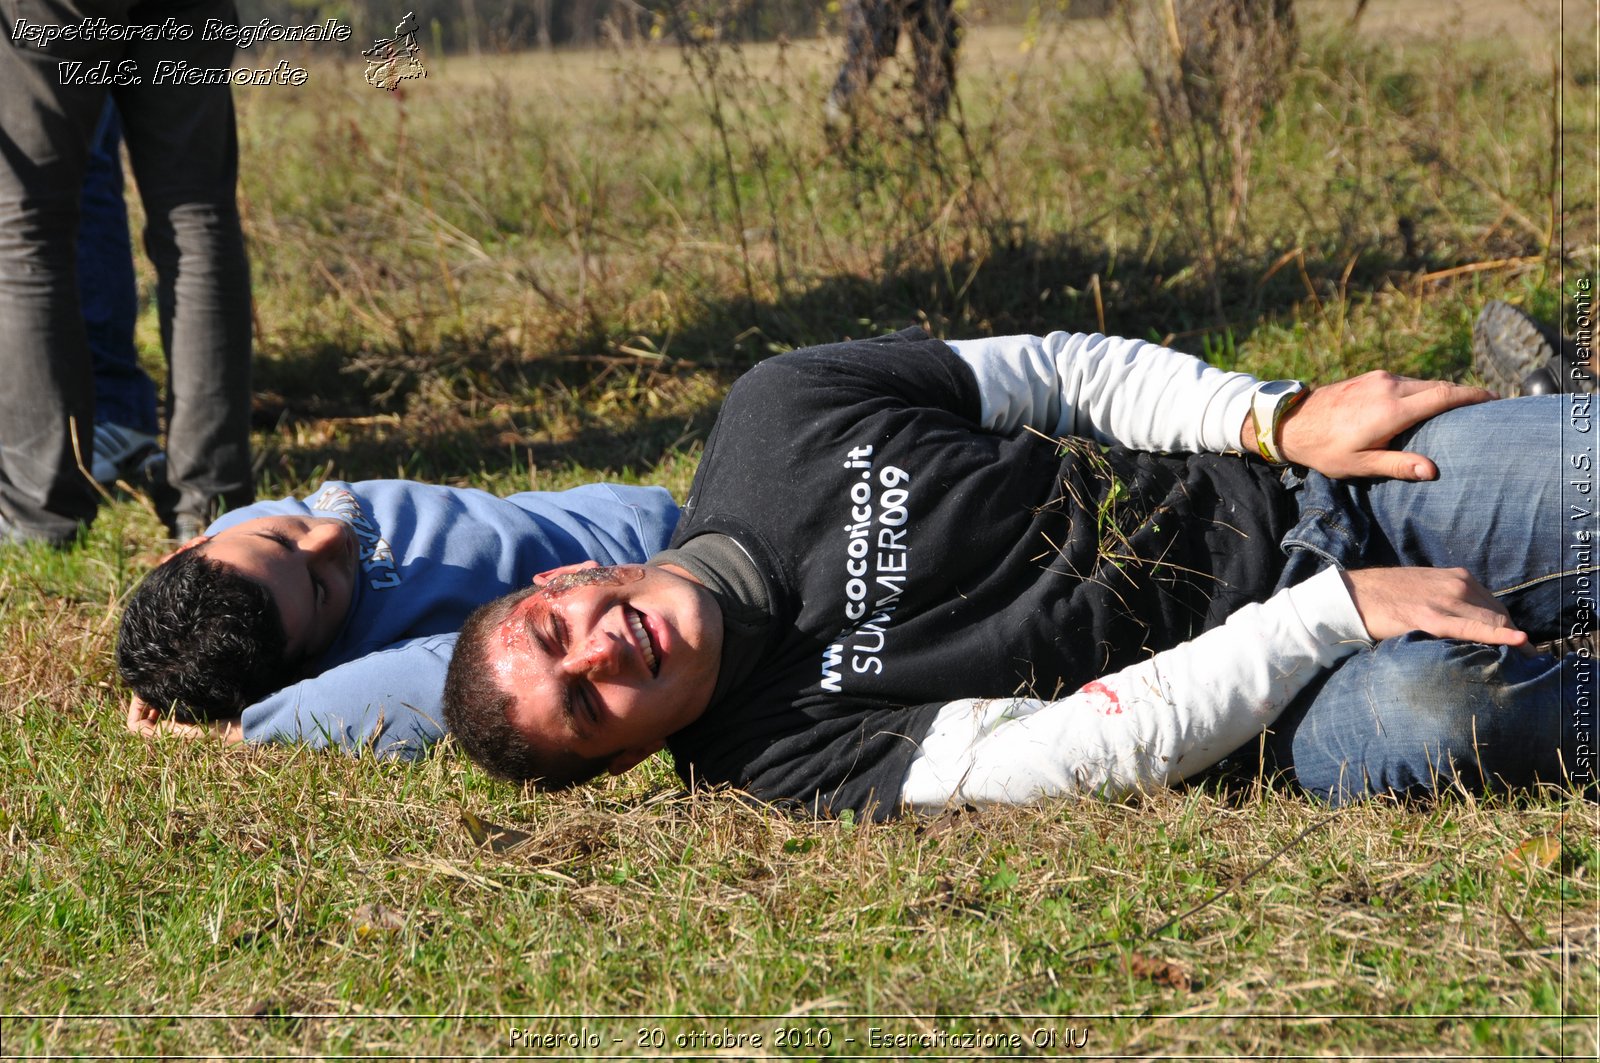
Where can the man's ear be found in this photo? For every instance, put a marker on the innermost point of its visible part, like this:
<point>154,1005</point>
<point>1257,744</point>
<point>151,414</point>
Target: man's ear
<point>190,545</point>
<point>630,758</point>
<point>545,577</point>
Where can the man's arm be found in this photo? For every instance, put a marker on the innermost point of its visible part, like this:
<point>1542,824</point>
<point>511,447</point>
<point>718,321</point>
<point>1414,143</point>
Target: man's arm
<point>1182,710</point>
<point>1149,397</point>
<point>1343,430</point>
<point>390,701</point>
<point>1114,390</point>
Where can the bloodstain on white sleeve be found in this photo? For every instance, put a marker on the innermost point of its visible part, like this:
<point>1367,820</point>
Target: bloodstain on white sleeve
<point>1107,702</point>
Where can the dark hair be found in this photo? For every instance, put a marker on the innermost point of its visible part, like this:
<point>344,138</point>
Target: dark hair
<point>199,637</point>
<point>478,712</point>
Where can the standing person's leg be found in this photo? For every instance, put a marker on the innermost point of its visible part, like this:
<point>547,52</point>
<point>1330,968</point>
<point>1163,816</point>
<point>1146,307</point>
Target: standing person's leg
<point>1413,714</point>
<point>47,401</point>
<point>184,149</point>
<point>934,39</point>
<point>872,29</point>
<point>125,420</point>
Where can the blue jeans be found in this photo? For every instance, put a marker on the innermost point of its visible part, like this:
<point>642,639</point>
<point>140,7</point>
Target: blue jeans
<point>1416,714</point>
<point>184,151</point>
<point>124,394</point>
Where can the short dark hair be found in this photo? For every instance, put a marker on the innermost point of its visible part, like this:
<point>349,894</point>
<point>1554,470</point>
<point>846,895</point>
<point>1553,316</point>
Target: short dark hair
<point>198,637</point>
<point>478,712</point>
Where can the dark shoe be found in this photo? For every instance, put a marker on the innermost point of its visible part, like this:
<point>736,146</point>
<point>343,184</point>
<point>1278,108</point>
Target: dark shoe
<point>150,475</point>
<point>1515,355</point>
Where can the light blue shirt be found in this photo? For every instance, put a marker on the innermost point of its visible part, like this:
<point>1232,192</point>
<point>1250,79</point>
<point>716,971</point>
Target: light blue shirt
<point>429,556</point>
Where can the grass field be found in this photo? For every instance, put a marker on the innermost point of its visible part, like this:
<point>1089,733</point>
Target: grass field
<point>534,271</point>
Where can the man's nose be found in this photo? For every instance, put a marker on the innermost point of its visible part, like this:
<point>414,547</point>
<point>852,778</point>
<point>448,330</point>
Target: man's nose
<point>597,656</point>
<point>323,539</point>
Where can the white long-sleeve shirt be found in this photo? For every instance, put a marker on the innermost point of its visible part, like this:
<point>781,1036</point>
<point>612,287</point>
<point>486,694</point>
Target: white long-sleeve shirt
<point>1181,711</point>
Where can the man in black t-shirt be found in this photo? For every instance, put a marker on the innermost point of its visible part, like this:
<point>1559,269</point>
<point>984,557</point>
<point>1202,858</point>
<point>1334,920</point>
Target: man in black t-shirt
<point>891,584</point>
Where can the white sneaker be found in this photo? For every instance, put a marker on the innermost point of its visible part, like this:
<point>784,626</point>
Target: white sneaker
<point>117,450</point>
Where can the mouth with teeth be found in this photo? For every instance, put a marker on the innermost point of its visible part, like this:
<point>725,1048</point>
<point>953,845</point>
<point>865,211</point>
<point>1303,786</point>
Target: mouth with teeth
<point>641,635</point>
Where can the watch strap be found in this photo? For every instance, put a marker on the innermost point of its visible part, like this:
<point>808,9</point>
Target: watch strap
<point>1270,407</point>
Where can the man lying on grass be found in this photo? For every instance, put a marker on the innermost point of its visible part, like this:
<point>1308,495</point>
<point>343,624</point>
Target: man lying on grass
<point>331,620</point>
<point>893,585</point>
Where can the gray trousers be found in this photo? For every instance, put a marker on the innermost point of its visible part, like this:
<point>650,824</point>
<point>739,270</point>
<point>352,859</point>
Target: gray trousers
<point>872,31</point>
<point>184,150</point>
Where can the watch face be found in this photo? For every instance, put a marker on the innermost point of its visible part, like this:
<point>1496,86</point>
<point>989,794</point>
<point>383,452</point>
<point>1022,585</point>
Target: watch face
<point>1279,387</point>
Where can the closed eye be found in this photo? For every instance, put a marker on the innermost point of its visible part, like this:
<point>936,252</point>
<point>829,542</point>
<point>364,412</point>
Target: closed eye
<point>578,699</point>
<point>551,635</point>
<point>319,590</point>
<point>579,707</point>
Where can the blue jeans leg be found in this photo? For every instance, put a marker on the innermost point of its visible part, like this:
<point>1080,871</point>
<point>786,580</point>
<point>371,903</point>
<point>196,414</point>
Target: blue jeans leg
<point>1415,715</point>
<point>1497,509</point>
<point>1416,712</point>
<point>124,394</point>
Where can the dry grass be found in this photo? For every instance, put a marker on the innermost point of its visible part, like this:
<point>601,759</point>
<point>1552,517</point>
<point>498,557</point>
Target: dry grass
<point>535,271</point>
<point>331,890</point>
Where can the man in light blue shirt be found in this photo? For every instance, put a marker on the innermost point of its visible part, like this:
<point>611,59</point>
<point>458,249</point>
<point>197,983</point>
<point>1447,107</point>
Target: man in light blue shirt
<point>330,620</point>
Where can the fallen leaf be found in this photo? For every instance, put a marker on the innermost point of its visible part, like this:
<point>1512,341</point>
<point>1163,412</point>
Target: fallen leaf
<point>499,839</point>
<point>944,821</point>
<point>1160,972</point>
<point>370,919</point>
<point>1542,851</point>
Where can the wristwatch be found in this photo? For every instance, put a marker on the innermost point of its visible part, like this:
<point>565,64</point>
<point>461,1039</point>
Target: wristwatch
<point>1272,402</point>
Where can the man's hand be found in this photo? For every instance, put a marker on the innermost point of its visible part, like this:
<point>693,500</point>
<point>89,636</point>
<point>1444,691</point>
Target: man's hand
<point>145,721</point>
<point>1446,602</point>
<point>1343,430</point>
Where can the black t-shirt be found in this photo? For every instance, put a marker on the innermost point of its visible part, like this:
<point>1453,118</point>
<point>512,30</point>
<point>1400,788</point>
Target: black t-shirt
<point>912,558</point>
